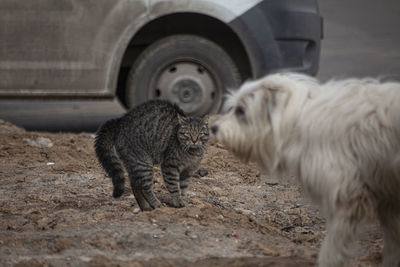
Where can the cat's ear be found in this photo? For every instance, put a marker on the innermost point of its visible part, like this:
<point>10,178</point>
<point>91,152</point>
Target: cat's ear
<point>181,119</point>
<point>205,119</point>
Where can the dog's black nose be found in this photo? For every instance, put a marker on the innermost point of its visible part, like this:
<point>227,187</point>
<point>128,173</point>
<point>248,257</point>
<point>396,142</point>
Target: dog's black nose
<point>214,129</point>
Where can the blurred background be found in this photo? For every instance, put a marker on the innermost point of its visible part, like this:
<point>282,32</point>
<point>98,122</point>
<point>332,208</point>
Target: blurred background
<point>361,38</point>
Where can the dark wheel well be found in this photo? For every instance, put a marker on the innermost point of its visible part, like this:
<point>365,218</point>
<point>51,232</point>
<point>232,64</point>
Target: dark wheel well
<point>184,23</point>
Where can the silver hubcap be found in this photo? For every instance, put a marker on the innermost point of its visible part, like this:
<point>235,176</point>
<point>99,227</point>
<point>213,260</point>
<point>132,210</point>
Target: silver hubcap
<point>188,84</point>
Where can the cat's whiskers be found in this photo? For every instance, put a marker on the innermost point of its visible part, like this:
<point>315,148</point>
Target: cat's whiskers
<point>186,148</point>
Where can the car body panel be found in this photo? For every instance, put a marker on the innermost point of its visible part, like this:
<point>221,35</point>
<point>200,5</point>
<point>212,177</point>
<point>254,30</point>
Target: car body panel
<point>61,46</point>
<point>74,48</point>
<point>290,39</point>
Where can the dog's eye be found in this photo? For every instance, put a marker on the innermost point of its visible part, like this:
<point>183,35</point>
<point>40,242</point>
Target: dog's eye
<point>239,111</point>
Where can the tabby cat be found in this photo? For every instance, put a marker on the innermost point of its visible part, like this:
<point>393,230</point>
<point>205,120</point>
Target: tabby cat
<point>156,132</point>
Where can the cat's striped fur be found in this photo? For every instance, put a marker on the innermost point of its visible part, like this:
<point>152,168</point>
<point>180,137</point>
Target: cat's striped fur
<point>155,132</point>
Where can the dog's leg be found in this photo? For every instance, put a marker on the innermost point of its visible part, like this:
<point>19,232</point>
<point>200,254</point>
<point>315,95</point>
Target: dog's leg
<point>391,239</point>
<point>391,251</point>
<point>339,242</point>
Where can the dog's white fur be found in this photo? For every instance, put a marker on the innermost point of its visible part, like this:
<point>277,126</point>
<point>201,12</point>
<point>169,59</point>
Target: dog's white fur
<point>341,138</point>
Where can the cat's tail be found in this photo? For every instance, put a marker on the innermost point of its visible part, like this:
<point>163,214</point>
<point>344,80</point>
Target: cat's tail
<point>107,156</point>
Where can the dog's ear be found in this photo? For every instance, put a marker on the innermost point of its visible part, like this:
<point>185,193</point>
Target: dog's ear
<point>270,97</point>
<point>276,96</point>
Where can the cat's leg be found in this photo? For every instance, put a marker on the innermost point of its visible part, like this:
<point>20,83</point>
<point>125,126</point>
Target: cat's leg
<point>140,199</point>
<point>113,166</point>
<point>141,177</point>
<point>140,174</point>
<point>171,179</point>
<point>118,180</point>
<point>186,175</point>
<point>184,181</point>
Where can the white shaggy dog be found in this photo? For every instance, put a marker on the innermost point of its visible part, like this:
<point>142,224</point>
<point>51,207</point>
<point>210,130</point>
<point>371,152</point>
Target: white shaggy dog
<point>341,139</point>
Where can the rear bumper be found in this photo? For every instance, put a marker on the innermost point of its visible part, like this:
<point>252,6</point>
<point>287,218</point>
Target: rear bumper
<point>282,35</point>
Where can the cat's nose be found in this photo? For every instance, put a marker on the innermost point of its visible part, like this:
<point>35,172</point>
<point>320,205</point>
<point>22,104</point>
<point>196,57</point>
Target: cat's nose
<point>214,129</point>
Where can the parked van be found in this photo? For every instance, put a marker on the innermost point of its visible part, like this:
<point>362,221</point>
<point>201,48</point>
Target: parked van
<point>187,51</point>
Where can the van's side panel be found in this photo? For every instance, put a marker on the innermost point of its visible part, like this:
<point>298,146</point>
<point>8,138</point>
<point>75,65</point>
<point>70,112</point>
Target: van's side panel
<point>61,47</point>
<point>74,48</point>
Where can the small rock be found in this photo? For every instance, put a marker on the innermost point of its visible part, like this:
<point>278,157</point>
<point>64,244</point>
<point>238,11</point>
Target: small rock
<point>202,172</point>
<point>39,142</point>
<point>233,234</point>
<point>136,210</point>
<point>18,171</point>
<point>245,212</point>
<point>84,258</point>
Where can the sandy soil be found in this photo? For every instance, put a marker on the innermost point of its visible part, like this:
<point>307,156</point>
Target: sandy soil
<point>56,209</point>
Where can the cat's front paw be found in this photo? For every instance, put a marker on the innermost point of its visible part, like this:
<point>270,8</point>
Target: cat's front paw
<point>156,204</point>
<point>178,203</point>
<point>184,193</point>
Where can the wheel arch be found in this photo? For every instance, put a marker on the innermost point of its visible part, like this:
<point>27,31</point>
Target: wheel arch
<point>183,23</point>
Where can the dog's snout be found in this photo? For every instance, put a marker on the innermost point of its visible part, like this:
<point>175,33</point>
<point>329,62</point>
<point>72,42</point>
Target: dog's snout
<point>214,129</point>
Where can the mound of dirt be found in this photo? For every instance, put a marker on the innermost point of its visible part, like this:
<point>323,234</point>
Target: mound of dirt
<point>56,209</point>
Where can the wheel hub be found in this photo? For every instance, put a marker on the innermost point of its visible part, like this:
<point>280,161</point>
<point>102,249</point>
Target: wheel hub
<point>187,90</point>
<point>189,85</point>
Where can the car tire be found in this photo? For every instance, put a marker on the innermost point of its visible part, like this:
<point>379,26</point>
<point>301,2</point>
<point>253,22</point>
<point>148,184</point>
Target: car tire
<point>188,70</point>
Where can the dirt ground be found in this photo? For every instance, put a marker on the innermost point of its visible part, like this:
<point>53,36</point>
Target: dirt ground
<point>56,209</point>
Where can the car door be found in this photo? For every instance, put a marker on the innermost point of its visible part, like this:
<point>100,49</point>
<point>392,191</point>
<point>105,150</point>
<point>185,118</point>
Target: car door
<point>56,47</point>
